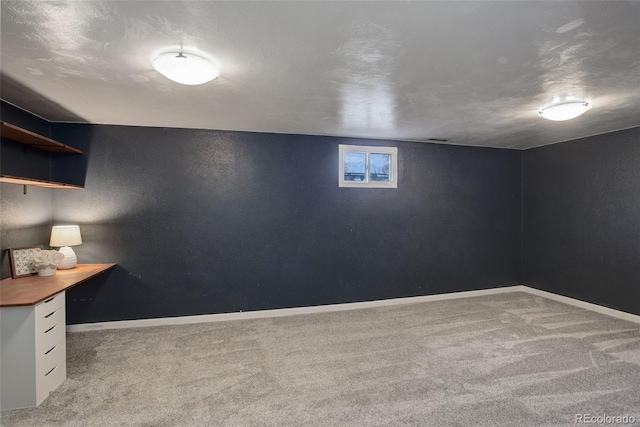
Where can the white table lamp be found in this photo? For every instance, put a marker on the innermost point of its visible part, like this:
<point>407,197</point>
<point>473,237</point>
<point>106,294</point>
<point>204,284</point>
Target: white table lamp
<point>63,237</point>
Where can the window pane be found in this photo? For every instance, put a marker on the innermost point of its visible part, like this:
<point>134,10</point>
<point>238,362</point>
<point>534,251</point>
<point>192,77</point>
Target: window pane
<point>355,166</point>
<point>380,167</point>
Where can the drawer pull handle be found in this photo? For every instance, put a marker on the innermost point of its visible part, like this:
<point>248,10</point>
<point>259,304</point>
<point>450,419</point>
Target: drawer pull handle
<point>50,299</point>
<point>49,330</point>
<point>50,350</point>
<point>52,369</point>
<point>50,314</point>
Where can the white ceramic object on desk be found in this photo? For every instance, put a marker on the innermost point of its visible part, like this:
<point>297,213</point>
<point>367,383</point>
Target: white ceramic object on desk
<point>45,262</point>
<point>70,259</point>
<point>47,271</point>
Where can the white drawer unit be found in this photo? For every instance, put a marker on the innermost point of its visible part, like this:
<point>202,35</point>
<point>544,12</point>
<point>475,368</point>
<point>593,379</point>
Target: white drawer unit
<point>33,344</point>
<point>33,352</point>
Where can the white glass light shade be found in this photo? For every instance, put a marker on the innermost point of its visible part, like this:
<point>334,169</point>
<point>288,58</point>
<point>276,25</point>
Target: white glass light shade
<point>565,110</point>
<point>185,68</point>
<point>65,235</point>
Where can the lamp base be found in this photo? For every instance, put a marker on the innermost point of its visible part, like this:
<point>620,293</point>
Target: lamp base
<point>70,259</point>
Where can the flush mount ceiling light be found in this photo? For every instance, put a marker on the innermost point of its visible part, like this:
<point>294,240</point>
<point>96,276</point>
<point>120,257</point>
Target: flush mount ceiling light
<point>185,68</point>
<point>564,110</point>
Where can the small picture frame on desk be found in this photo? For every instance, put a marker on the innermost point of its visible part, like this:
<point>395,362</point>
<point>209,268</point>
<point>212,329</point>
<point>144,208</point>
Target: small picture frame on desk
<point>19,257</point>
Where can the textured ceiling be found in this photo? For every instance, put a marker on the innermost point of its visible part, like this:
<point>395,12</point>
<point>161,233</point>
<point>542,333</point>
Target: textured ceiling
<point>474,73</point>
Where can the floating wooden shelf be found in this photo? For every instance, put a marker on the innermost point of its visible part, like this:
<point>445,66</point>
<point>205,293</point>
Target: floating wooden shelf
<point>37,182</point>
<point>26,137</point>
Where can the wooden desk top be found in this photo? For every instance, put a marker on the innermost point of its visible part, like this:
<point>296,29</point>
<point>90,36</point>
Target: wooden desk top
<point>34,289</point>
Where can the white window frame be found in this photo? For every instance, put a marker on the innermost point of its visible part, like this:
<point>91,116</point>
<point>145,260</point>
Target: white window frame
<point>393,151</point>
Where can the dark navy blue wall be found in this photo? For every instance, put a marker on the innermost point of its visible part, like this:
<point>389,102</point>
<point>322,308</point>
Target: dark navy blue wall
<point>18,159</point>
<point>25,219</point>
<point>582,219</point>
<point>211,221</point>
<point>16,116</point>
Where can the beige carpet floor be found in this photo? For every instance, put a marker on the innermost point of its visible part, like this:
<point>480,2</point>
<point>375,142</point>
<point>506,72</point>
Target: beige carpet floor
<point>501,360</point>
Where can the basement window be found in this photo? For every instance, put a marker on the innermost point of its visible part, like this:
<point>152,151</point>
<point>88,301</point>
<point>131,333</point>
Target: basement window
<point>368,167</point>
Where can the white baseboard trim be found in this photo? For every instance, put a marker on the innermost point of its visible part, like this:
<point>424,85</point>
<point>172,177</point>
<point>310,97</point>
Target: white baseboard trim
<point>261,314</point>
<point>582,304</point>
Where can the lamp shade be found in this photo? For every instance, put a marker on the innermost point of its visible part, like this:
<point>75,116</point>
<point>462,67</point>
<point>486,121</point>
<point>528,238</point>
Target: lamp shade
<point>65,235</point>
<point>186,68</point>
